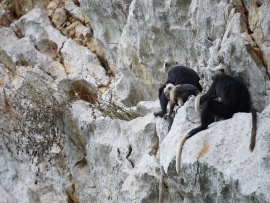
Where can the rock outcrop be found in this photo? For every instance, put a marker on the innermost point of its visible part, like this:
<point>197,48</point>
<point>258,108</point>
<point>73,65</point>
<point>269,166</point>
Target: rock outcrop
<point>78,88</point>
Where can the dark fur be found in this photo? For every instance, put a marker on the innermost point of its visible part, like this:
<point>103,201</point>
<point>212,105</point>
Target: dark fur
<point>234,97</point>
<point>177,75</point>
<point>184,91</point>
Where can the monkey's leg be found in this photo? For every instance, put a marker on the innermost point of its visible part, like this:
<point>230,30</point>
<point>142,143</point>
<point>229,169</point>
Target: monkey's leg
<point>210,109</point>
<point>219,109</point>
<point>172,105</point>
<point>180,102</point>
<point>163,103</point>
<point>170,121</point>
<point>161,185</point>
<point>172,102</point>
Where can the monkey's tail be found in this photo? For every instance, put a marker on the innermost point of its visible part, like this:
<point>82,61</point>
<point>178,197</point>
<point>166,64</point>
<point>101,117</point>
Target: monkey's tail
<point>178,155</point>
<point>161,183</point>
<point>197,103</point>
<point>254,129</point>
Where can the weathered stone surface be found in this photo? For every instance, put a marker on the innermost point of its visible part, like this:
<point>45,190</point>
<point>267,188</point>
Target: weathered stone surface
<point>59,17</point>
<point>120,153</point>
<point>21,51</point>
<point>222,153</point>
<point>75,11</point>
<point>217,159</point>
<point>6,16</point>
<point>236,54</point>
<point>37,26</point>
<point>184,29</point>
<point>129,90</point>
<point>189,41</point>
<point>23,174</point>
<point>22,7</point>
<point>107,21</point>
<point>147,107</point>
<point>52,7</point>
<point>114,51</point>
<point>57,70</point>
<point>83,65</point>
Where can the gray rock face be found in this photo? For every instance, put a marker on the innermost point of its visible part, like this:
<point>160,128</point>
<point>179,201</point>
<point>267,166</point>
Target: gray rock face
<point>222,153</point>
<point>114,156</point>
<point>187,30</point>
<point>79,84</point>
<point>88,68</point>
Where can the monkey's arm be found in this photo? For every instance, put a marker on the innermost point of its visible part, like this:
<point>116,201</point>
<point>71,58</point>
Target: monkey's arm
<point>209,94</point>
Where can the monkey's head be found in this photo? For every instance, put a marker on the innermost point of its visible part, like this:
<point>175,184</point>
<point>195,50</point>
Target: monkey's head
<point>219,70</point>
<point>169,62</point>
<point>168,89</point>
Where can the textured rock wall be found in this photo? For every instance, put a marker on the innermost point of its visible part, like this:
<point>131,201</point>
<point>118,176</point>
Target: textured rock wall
<point>68,71</point>
<point>199,34</point>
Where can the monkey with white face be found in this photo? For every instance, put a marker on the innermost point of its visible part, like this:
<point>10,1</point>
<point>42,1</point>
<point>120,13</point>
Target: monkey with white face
<point>178,94</point>
<point>176,74</point>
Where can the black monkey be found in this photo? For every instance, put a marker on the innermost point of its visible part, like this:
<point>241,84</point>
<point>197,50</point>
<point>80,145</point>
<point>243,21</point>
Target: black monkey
<point>176,75</point>
<point>234,98</point>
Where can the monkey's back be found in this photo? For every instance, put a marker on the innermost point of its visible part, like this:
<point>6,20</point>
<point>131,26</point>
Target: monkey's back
<point>184,75</point>
<point>185,91</point>
<point>233,93</point>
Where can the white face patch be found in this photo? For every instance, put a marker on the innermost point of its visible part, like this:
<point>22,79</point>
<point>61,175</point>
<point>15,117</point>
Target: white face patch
<point>168,89</point>
<point>169,62</point>
<point>220,69</point>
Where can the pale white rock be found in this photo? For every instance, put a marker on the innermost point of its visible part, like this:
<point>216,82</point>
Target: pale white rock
<point>264,21</point>
<point>184,121</point>
<point>22,177</point>
<point>56,70</point>
<point>37,26</point>
<point>75,11</point>
<point>5,196</point>
<point>187,42</point>
<point>21,50</point>
<point>143,180</point>
<point>24,189</point>
<point>234,53</point>
<point>81,63</point>
<point>19,182</point>
<point>107,21</point>
<point>147,107</point>
<point>266,50</point>
<point>83,31</point>
<point>119,156</point>
<point>111,160</point>
<point>129,90</point>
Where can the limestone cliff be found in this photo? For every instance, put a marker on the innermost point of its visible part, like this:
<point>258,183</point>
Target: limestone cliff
<point>78,83</point>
